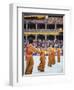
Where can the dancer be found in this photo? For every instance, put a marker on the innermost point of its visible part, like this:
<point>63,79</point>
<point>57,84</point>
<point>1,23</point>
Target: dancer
<point>51,56</point>
<point>58,54</point>
<point>41,66</point>
<point>30,49</point>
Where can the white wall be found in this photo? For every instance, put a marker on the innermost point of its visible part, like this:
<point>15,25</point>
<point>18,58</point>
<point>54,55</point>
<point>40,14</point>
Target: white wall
<point>4,46</point>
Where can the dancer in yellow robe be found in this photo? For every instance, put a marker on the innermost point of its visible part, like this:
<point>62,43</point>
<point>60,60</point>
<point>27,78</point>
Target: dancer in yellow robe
<point>29,57</point>
<point>58,54</point>
<point>41,66</point>
<point>51,56</point>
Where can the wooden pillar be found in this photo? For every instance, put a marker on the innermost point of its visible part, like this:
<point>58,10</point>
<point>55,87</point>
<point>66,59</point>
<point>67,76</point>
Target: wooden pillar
<point>36,26</point>
<point>55,37</point>
<point>45,40</point>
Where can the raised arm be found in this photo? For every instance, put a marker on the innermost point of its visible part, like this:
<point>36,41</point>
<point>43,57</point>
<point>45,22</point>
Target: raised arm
<point>35,50</point>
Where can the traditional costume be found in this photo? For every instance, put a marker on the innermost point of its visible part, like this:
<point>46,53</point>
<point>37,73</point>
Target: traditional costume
<point>58,54</point>
<point>51,57</point>
<point>29,58</point>
<point>42,61</point>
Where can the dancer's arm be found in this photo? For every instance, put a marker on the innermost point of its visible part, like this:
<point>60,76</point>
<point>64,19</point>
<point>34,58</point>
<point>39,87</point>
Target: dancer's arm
<point>35,50</point>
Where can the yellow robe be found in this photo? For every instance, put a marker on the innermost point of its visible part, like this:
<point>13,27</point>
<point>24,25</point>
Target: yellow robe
<point>58,54</point>
<point>51,56</point>
<point>29,58</point>
<point>42,61</point>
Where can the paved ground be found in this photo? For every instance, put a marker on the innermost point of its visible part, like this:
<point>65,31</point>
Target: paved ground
<point>55,69</point>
